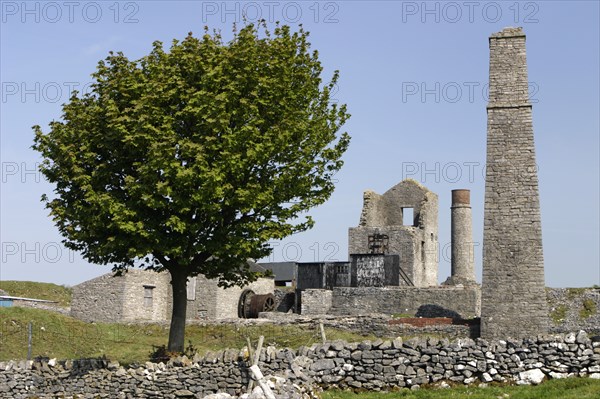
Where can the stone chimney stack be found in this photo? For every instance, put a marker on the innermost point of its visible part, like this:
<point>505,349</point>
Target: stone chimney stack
<point>463,264</point>
<point>513,298</point>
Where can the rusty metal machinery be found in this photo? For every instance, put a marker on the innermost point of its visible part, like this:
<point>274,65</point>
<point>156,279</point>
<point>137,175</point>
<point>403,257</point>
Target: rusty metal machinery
<point>251,304</point>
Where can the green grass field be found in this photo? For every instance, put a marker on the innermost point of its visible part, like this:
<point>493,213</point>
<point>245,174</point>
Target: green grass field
<point>63,337</point>
<point>30,289</point>
<point>571,388</point>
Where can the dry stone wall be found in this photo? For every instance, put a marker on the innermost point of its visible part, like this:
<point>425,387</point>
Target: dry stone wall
<point>574,309</point>
<point>570,309</point>
<point>378,365</point>
<point>52,307</point>
<point>316,301</point>
<point>383,326</point>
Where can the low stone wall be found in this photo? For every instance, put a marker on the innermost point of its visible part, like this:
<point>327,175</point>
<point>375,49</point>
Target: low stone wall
<point>378,365</point>
<point>52,307</point>
<point>316,301</point>
<point>378,325</point>
<point>422,322</point>
<point>421,302</point>
<point>449,331</point>
<point>570,309</point>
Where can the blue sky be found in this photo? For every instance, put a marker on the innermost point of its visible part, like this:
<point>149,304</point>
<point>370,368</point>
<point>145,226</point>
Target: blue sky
<point>413,75</point>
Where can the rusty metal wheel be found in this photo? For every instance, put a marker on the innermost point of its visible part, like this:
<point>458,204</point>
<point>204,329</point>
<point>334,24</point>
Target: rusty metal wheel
<point>244,303</point>
<point>269,305</point>
<point>260,303</point>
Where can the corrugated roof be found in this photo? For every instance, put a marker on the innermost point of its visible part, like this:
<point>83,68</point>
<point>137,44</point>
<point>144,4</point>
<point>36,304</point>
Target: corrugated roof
<point>19,298</point>
<point>282,271</point>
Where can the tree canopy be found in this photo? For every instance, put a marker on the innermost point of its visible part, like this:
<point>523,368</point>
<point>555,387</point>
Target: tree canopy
<point>191,160</point>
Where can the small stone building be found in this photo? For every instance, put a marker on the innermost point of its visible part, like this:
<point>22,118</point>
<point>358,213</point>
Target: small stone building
<point>146,296</point>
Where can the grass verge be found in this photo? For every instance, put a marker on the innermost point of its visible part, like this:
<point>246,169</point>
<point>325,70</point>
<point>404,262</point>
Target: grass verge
<point>63,337</point>
<point>569,388</point>
<point>30,289</point>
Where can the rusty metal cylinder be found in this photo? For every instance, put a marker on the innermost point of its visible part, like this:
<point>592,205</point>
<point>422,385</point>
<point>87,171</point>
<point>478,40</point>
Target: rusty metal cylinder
<point>461,197</point>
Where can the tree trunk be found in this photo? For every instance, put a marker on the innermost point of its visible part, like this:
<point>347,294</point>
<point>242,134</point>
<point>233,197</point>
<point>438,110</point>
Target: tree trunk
<point>177,330</point>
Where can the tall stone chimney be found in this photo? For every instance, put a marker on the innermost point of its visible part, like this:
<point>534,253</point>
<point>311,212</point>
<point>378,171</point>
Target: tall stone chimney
<point>463,264</point>
<point>513,299</point>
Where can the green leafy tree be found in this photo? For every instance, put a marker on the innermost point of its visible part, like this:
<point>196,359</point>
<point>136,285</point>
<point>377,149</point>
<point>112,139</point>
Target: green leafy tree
<point>191,160</point>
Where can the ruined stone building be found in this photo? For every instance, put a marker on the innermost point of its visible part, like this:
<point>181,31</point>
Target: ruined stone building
<point>145,296</point>
<point>513,299</point>
<point>386,249</point>
<point>393,262</point>
<point>384,229</point>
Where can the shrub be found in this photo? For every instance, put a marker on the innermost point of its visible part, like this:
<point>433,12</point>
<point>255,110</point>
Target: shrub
<point>558,314</point>
<point>161,354</point>
<point>588,309</point>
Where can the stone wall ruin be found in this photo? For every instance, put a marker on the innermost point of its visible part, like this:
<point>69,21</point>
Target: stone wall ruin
<point>416,242</point>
